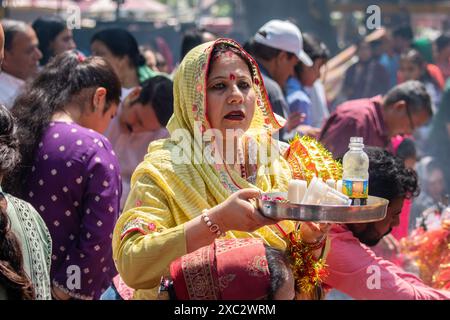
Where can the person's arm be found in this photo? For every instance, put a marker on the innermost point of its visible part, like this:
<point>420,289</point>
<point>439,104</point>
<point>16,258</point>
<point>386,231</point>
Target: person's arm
<point>154,231</point>
<point>147,237</point>
<point>355,270</point>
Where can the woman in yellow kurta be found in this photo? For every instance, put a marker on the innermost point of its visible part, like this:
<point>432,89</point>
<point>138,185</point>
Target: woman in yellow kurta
<point>218,89</point>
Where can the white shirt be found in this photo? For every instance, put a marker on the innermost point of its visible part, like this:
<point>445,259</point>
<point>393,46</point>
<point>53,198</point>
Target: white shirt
<point>10,88</point>
<point>319,110</point>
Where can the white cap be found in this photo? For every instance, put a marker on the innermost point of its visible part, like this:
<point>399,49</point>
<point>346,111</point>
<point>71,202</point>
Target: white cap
<point>283,35</point>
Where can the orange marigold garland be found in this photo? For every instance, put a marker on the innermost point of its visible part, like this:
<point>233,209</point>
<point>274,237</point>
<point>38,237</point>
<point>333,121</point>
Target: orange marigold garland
<point>308,158</point>
<point>308,271</point>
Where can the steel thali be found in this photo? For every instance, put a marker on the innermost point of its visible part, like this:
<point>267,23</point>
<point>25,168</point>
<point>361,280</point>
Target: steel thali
<point>375,210</point>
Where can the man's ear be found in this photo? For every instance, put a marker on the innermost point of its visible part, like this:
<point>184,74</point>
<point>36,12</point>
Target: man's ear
<point>399,106</point>
<point>132,97</point>
<point>99,99</point>
<point>282,56</point>
<point>135,93</point>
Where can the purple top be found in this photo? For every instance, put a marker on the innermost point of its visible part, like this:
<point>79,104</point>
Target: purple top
<point>75,185</point>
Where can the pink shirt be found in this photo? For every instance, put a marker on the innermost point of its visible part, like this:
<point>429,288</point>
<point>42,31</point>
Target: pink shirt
<point>130,148</point>
<point>401,230</point>
<point>354,268</point>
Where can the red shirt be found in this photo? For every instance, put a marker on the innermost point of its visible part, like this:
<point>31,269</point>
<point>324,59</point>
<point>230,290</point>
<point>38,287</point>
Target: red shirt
<point>355,118</point>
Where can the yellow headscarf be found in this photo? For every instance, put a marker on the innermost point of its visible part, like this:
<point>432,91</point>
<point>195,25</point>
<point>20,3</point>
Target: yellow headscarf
<point>166,193</point>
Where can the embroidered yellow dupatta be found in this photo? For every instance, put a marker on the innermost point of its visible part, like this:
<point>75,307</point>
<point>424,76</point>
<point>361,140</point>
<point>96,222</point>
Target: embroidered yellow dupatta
<point>173,185</point>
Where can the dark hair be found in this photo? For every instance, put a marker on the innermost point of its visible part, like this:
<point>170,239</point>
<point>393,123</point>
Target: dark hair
<point>11,28</point>
<point>388,176</point>
<point>314,48</point>
<point>64,80</point>
<point>158,92</point>
<point>413,92</point>
<point>404,32</point>
<point>415,57</point>
<point>375,44</point>
<point>223,48</point>
<point>47,29</point>
<point>443,41</point>
<point>9,142</point>
<point>121,43</point>
<point>12,274</point>
<point>192,38</point>
<point>277,262</point>
<point>406,149</point>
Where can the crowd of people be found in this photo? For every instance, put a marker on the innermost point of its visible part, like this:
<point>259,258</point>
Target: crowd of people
<point>98,200</point>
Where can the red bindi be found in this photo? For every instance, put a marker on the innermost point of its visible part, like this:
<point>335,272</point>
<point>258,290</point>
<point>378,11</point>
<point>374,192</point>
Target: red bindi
<point>232,77</point>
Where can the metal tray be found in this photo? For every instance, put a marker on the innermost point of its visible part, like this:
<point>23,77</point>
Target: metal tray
<point>375,210</point>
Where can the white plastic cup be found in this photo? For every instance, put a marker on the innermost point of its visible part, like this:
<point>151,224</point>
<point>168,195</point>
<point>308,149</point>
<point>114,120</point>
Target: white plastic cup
<point>296,191</point>
<point>339,186</point>
<point>319,193</point>
<point>331,183</point>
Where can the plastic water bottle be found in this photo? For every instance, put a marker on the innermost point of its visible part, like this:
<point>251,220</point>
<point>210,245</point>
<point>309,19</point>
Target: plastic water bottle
<point>355,176</point>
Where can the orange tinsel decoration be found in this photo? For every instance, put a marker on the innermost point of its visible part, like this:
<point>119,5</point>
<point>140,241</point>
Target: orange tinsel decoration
<point>309,158</point>
<point>431,252</point>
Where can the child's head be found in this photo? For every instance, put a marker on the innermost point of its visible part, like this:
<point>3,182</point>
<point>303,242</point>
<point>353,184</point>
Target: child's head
<point>402,38</point>
<point>148,107</point>
<point>237,269</point>
<point>319,54</point>
<point>443,45</point>
<point>412,65</point>
<point>282,283</point>
<point>406,150</point>
<point>86,87</point>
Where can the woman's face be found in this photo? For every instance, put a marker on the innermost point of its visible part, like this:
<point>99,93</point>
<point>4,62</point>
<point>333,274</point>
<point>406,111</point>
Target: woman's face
<point>410,71</point>
<point>99,49</point>
<point>63,42</point>
<point>230,94</point>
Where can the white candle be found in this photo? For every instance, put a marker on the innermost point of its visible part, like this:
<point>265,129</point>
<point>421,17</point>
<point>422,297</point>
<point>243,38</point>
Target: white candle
<point>296,191</point>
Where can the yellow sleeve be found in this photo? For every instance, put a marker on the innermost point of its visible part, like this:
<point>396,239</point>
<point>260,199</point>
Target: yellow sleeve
<point>146,238</point>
